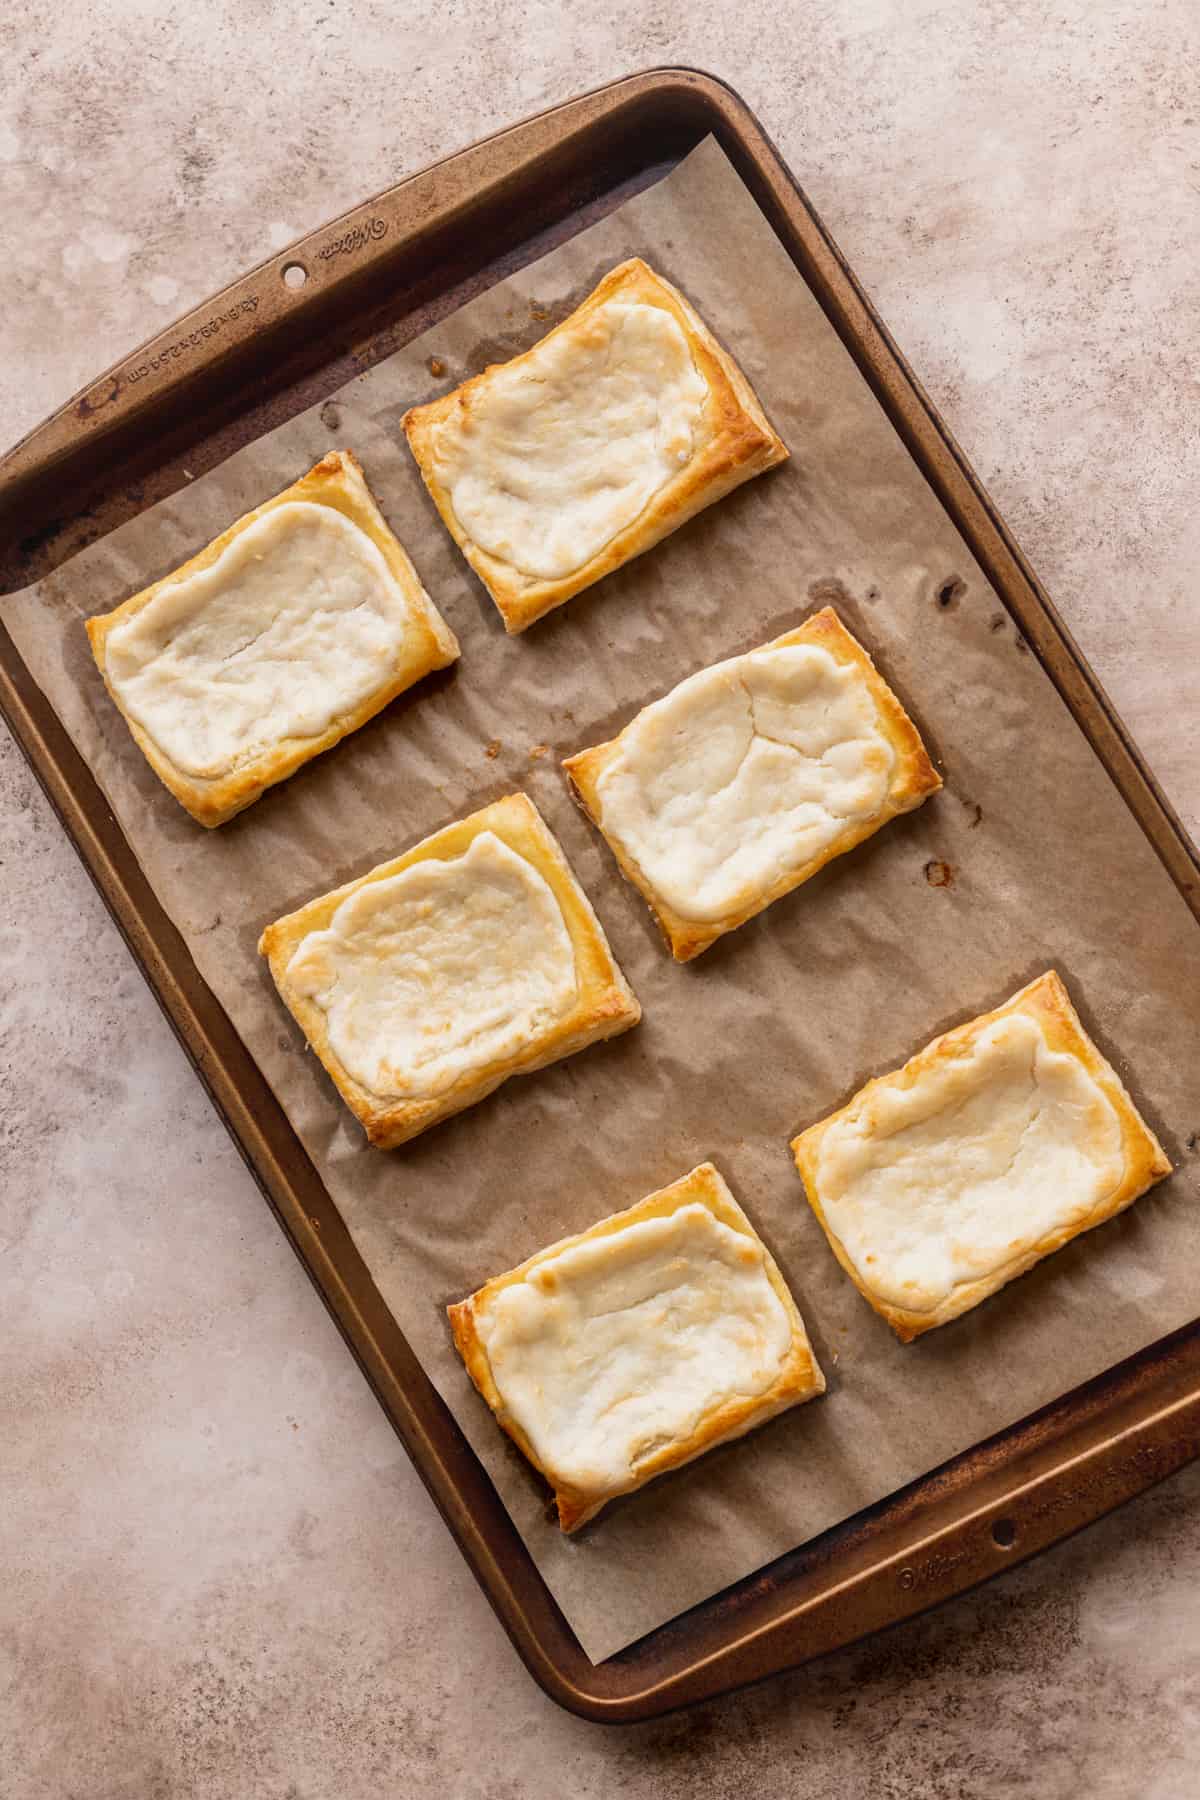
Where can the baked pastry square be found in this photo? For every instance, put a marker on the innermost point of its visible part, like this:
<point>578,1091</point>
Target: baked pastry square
<point>553,469</point>
<point>994,1146</point>
<point>750,776</point>
<point>427,982</point>
<point>292,628</point>
<point>637,1345</point>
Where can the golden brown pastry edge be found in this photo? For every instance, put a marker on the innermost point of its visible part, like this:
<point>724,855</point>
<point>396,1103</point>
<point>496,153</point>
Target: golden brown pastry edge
<point>606,1004</point>
<point>336,481</point>
<point>914,779</point>
<point>739,443</point>
<point>801,1378</point>
<point>1047,1000</point>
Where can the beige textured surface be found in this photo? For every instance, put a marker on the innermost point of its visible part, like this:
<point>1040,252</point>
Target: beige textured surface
<point>195,1463</point>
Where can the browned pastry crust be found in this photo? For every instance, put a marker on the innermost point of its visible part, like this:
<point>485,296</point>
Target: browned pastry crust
<point>605,1003</point>
<point>1047,1001</point>
<point>736,443</point>
<point>799,1378</point>
<point>914,779</point>
<point>336,481</point>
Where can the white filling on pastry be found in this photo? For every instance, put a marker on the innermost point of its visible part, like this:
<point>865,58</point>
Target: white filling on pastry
<point>984,1155</point>
<point>549,458</point>
<point>621,1345</point>
<point>297,623</point>
<point>445,968</point>
<point>743,774</point>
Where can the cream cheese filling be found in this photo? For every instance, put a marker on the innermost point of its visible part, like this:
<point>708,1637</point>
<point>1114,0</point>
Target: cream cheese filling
<point>742,774</point>
<point>620,1346</point>
<point>441,970</point>
<point>946,1181</point>
<point>550,457</point>
<point>296,623</point>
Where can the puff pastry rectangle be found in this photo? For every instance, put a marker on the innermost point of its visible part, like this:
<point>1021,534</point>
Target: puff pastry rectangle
<point>553,469</point>
<point>427,982</point>
<point>620,1353</point>
<point>294,627</point>
<point>750,776</point>
<point>994,1146</point>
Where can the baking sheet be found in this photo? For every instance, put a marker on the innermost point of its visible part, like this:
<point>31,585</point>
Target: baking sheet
<point>1033,857</point>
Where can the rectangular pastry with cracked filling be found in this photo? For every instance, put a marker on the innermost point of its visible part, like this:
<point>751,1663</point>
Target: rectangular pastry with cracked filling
<point>994,1146</point>
<point>291,629</point>
<point>427,982</point>
<point>637,1345</point>
<point>556,468</point>
<point>750,776</point>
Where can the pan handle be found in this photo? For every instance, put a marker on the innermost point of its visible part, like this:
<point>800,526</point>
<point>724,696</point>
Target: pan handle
<point>292,283</point>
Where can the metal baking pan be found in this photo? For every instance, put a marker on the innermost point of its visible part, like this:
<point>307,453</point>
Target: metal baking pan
<point>250,358</point>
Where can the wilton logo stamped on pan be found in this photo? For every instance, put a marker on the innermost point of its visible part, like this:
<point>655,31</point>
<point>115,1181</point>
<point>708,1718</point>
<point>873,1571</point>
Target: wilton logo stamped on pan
<point>935,1568</point>
<point>357,239</point>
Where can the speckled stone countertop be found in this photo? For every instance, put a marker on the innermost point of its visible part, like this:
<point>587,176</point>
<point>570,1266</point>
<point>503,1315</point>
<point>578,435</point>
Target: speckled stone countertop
<point>221,1576</point>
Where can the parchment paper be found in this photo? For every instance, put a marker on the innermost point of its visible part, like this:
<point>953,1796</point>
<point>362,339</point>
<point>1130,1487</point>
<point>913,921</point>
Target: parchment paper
<point>782,1020</point>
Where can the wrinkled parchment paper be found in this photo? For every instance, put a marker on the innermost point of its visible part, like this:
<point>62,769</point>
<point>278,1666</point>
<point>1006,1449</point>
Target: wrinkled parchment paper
<point>783,1019</point>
